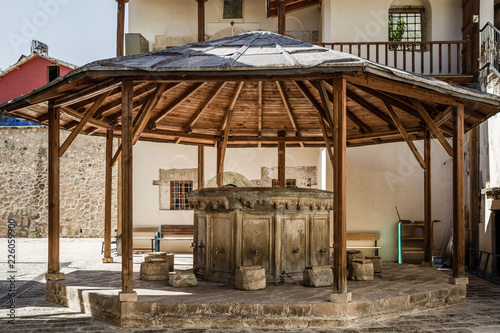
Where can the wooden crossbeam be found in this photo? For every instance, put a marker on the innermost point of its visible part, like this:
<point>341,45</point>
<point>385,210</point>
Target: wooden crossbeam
<point>178,101</point>
<point>82,123</point>
<point>405,135</point>
<point>208,101</point>
<point>444,116</point>
<point>229,110</point>
<point>78,117</point>
<point>433,127</point>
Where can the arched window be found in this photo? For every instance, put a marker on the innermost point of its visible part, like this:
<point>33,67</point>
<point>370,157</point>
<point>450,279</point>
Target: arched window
<point>407,23</point>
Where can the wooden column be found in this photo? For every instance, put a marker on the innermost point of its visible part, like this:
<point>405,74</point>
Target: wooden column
<point>201,20</point>
<point>120,31</point>
<point>107,197</point>
<point>474,190</point>
<point>127,293</point>
<point>281,161</point>
<point>220,165</point>
<point>281,17</point>
<point>428,227</point>
<point>201,167</point>
<point>339,186</point>
<point>54,203</point>
<point>458,194</point>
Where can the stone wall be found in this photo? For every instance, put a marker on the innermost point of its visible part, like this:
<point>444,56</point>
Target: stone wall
<point>24,184</point>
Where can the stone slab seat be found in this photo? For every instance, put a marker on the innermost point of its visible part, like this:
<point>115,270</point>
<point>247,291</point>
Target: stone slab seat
<point>362,270</point>
<point>250,278</point>
<point>318,276</point>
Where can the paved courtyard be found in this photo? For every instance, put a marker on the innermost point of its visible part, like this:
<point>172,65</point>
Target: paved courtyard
<point>34,314</point>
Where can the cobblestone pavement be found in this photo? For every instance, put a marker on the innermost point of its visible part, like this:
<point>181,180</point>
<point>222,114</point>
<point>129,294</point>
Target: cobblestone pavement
<point>33,314</point>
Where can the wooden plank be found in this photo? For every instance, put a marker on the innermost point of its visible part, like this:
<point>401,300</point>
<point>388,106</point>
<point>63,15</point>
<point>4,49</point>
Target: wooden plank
<point>201,167</point>
<point>127,191</point>
<point>288,106</point>
<point>443,116</point>
<point>108,194</point>
<point>281,161</point>
<point>54,179</point>
<point>369,107</point>
<point>433,127</point>
<point>229,110</point>
<point>82,123</point>
<point>208,101</point>
<point>310,98</point>
<point>405,135</point>
<point>201,20</point>
<point>87,93</point>
<point>366,236</point>
<point>428,225</point>
<point>145,115</point>
<point>339,186</point>
<point>458,193</point>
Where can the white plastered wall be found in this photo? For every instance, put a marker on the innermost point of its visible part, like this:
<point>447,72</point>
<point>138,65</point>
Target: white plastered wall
<point>179,18</point>
<point>381,177</point>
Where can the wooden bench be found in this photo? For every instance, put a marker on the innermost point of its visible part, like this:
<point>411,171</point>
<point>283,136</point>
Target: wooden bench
<point>176,238</point>
<point>368,236</point>
<point>142,238</point>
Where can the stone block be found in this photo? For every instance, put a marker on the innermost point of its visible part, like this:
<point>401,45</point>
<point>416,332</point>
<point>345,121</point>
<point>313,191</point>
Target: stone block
<point>154,270</point>
<point>128,297</point>
<point>182,280</point>
<point>250,278</point>
<point>318,276</point>
<point>461,280</point>
<point>352,255</point>
<point>341,298</point>
<point>361,270</point>
<point>377,264</point>
<point>169,258</point>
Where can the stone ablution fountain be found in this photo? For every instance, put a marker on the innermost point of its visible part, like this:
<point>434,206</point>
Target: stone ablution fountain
<point>283,230</point>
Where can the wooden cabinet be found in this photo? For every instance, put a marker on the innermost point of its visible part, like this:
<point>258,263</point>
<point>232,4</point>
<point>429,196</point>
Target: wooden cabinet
<point>411,242</point>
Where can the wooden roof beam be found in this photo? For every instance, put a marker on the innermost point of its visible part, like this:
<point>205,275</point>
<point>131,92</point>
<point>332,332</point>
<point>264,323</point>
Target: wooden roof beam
<point>208,101</point>
<point>229,110</point>
<point>86,118</point>
<point>394,102</point>
<point>310,98</point>
<point>288,106</point>
<point>178,101</point>
<point>141,123</point>
<point>78,117</point>
<point>371,108</point>
<point>405,135</point>
<point>87,93</point>
<point>433,127</point>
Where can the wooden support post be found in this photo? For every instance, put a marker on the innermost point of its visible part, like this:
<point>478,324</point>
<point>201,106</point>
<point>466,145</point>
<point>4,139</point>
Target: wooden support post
<point>281,161</point>
<point>107,197</point>
<point>201,20</point>
<point>201,167</point>
<point>339,190</point>
<point>281,17</point>
<point>220,165</point>
<point>127,293</point>
<point>428,227</point>
<point>54,141</point>
<point>120,31</point>
<point>475,193</point>
<point>458,194</point>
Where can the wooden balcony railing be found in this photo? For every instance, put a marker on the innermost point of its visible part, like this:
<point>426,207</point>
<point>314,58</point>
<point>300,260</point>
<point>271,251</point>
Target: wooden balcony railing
<point>448,58</point>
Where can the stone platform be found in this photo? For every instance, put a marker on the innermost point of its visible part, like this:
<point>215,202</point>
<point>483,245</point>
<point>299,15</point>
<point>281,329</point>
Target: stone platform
<point>402,290</point>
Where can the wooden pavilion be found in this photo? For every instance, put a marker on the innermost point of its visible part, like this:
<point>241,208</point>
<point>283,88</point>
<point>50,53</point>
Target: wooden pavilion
<point>256,89</point>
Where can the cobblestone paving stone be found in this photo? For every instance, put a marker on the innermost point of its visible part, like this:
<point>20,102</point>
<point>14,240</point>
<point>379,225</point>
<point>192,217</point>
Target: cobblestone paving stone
<point>481,313</point>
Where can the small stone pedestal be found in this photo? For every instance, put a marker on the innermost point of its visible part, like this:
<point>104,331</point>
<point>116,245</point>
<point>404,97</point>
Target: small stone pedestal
<point>361,270</point>
<point>250,278</point>
<point>353,255</point>
<point>107,260</point>
<point>377,265</point>
<point>318,276</point>
<point>154,270</point>
<point>169,258</point>
<point>183,279</point>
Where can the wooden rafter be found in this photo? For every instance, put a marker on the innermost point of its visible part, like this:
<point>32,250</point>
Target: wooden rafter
<point>405,135</point>
<point>444,116</point>
<point>178,101</point>
<point>87,93</point>
<point>310,98</point>
<point>141,123</point>
<point>288,106</point>
<point>189,125</point>
<point>82,123</point>
<point>433,127</point>
<point>225,122</point>
<point>77,116</point>
<point>323,94</point>
<point>371,108</point>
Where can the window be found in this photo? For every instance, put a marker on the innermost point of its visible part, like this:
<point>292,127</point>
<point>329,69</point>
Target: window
<point>178,194</point>
<point>406,25</point>
<point>288,183</point>
<point>232,9</point>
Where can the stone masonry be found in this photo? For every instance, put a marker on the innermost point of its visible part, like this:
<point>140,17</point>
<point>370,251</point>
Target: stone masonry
<point>24,183</point>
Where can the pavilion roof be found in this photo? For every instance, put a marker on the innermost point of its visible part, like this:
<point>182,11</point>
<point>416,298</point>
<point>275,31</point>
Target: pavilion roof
<point>256,84</point>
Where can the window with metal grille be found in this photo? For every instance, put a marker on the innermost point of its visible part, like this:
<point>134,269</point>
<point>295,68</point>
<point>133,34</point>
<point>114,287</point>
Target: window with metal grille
<point>407,25</point>
<point>288,183</point>
<point>178,194</point>
<point>232,9</point>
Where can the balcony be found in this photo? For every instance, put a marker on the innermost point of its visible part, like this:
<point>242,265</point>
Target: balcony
<point>449,61</point>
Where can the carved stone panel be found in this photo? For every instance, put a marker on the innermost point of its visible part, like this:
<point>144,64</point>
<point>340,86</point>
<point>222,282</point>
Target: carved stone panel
<point>319,241</point>
<point>293,244</point>
<point>257,234</point>
<point>221,245</point>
